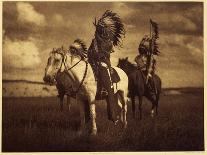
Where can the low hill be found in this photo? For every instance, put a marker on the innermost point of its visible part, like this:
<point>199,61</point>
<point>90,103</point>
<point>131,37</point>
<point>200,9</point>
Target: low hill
<point>25,88</point>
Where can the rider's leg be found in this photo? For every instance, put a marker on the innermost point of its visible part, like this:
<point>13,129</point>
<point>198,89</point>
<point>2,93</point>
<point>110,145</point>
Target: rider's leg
<point>151,85</point>
<point>111,102</point>
<point>111,111</point>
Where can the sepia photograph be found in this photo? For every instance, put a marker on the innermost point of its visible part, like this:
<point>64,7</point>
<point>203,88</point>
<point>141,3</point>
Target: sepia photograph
<point>95,76</point>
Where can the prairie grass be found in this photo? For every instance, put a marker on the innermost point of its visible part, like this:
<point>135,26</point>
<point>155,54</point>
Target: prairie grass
<point>31,124</point>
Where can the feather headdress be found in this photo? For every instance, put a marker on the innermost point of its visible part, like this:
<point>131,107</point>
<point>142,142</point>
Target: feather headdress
<point>154,36</point>
<point>80,47</point>
<point>110,26</point>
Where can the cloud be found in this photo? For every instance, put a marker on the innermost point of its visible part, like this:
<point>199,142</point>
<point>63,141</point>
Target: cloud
<point>123,10</point>
<point>175,23</point>
<point>180,18</point>
<point>181,60</point>
<point>27,14</point>
<point>184,49</point>
<point>57,20</point>
<point>20,54</point>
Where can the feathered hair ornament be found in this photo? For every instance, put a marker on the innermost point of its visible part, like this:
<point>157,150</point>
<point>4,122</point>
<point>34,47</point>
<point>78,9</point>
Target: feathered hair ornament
<point>154,36</point>
<point>80,47</point>
<point>110,26</point>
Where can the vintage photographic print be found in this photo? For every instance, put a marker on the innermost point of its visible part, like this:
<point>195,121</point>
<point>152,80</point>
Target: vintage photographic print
<point>102,76</point>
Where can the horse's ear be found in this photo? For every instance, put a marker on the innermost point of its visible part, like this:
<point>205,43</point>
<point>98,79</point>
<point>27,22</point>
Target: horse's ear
<point>126,58</point>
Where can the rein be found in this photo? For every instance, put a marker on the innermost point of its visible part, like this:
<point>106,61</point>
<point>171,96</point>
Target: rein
<point>84,76</point>
<point>72,66</point>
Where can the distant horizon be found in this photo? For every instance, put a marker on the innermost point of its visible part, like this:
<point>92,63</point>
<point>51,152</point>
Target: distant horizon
<point>42,83</point>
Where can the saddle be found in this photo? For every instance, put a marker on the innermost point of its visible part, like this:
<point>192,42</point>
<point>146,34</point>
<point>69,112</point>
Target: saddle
<point>101,90</point>
<point>114,76</point>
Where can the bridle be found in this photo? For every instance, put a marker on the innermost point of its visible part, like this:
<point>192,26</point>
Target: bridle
<point>64,58</point>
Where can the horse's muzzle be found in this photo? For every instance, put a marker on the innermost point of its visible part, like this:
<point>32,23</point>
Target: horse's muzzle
<point>49,80</point>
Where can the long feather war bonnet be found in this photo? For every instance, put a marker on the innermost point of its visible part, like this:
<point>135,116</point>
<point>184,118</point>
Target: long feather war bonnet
<point>155,36</point>
<point>110,26</point>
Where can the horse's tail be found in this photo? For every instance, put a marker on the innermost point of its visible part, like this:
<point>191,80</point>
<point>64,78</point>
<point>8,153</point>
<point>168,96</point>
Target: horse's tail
<point>158,83</point>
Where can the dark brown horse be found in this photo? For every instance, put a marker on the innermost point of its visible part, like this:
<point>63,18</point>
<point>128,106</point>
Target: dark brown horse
<point>137,86</point>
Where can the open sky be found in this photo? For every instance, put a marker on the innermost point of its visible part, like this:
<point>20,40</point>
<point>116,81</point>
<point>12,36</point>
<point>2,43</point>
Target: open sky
<point>32,29</point>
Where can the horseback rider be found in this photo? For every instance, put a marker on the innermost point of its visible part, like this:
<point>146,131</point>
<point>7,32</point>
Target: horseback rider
<point>142,58</point>
<point>146,61</point>
<point>142,61</point>
<point>109,29</point>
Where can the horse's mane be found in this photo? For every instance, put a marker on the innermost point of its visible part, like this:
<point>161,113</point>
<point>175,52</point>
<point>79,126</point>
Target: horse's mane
<point>131,65</point>
<point>58,50</point>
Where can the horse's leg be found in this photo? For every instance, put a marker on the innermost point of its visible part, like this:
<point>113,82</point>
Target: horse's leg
<point>68,103</point>
<point>93,118</point>
<point>156,95</point>
<point>61,99</point>
<point>140,107</point>
<point>82,117</point>
<point>154,105</point>
<point>157,102</point>
<point>111,108</point>
<point>125,111</point>
<point>108,109</point>
<point>123,101</point>
<point>152,98</point>
<point>133,106</point>
<point>152,110</point>
<point>120,104</point>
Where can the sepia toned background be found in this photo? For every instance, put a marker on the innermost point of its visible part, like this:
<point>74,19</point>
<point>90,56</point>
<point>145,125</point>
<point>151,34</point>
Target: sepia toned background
<point>31,30</point>
<point>31,116</point>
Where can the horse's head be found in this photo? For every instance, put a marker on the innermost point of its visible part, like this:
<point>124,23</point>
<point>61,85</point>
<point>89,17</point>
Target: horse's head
<point>125,65</point>
<point>122,63</point>
<point>54,64</point>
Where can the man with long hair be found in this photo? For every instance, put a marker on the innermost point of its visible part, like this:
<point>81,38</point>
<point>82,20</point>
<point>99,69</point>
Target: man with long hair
<point>145,60</point>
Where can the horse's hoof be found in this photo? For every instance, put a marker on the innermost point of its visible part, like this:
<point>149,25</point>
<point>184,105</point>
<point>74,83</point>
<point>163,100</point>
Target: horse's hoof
<point>125,125</point>
<point>116,122</point>
<point>80,133</point>
<point>152,113</point>
<point>93,133</point>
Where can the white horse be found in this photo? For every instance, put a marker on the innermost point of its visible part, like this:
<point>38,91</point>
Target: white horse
<point>84,84</point>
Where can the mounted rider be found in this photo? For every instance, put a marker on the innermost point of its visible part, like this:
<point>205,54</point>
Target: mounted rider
<point>109,30</point>
<point>146,61</point>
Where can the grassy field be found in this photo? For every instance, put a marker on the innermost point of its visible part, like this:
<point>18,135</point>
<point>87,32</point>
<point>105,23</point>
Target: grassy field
<point>36,124</point>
